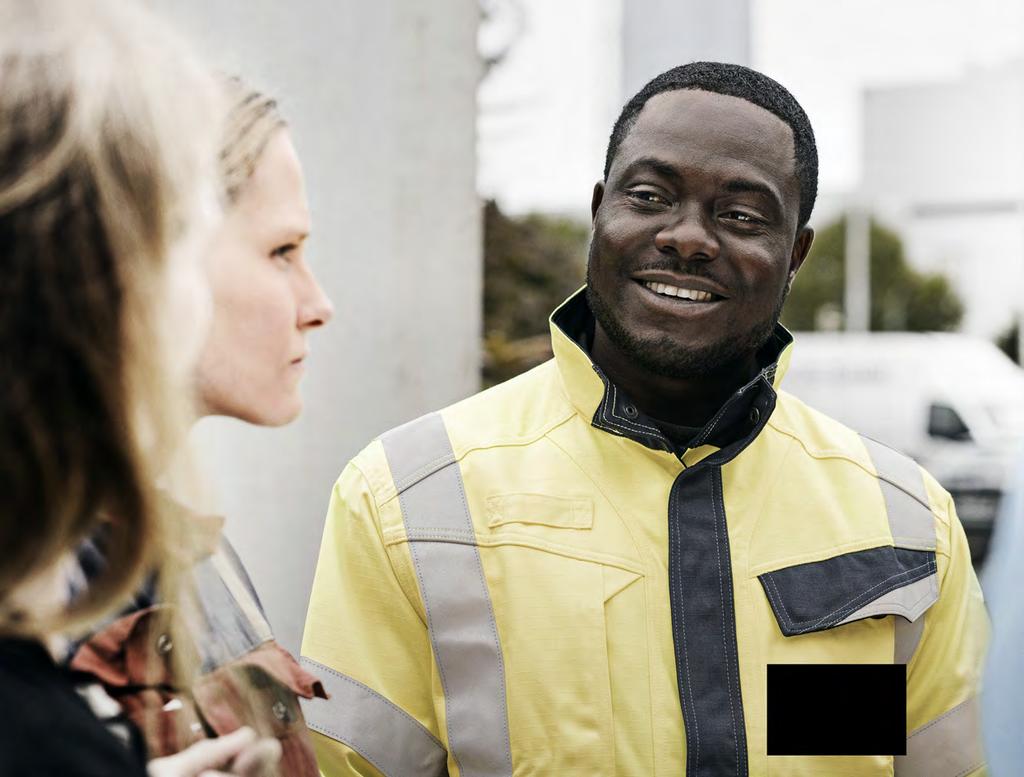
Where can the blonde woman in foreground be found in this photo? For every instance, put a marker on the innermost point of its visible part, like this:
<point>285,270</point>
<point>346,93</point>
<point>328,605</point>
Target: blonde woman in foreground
<point>107,139</point>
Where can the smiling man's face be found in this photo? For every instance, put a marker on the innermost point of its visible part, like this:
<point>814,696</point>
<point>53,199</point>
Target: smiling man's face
<point>695,234</point>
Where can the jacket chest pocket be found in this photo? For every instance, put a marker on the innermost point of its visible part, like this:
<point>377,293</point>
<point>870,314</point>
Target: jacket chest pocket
<point>863,607</point>
<point>876,582</point>
<point>558,601</point>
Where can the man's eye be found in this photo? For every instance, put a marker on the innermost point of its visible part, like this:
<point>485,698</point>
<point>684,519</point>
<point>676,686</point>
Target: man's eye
<point>648,197</point>
<point>744,218</point>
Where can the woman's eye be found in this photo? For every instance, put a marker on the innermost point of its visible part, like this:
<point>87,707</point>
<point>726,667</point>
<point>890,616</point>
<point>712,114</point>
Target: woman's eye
<point>283,252</point>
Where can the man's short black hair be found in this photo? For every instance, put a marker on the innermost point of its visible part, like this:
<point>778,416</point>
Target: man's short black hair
<point>735,81</point>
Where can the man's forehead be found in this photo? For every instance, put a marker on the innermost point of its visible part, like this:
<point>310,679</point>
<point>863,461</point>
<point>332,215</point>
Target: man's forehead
<point>692,121</point>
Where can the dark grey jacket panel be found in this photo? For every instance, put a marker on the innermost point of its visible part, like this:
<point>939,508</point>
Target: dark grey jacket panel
<point>879,581</point>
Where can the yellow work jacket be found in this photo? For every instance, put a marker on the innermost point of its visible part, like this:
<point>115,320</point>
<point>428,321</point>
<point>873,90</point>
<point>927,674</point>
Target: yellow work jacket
<point>533,582</point>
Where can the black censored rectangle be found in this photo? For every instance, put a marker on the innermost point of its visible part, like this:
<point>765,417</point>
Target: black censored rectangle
<point>837,709</point>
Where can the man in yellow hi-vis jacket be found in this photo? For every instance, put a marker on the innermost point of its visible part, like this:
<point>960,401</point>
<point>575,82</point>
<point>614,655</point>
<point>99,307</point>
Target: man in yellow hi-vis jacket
<point>643,557</point>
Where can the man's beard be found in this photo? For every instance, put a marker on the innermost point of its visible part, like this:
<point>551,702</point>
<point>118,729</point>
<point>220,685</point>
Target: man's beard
<point>661,355</point>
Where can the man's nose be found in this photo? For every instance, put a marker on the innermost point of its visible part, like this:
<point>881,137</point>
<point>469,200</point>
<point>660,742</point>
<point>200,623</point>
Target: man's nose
<point>688,236</point>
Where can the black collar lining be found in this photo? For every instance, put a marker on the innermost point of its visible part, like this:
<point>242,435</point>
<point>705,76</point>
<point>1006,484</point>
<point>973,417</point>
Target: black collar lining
<point>738,421</point>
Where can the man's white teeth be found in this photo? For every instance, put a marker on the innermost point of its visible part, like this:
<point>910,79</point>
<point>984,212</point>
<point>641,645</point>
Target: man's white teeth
<point>674,291</point>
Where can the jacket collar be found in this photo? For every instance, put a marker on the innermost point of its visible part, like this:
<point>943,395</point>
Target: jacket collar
<point>732,428</point>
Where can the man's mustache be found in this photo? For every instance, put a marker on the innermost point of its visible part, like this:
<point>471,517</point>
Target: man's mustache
<point>691,268</point>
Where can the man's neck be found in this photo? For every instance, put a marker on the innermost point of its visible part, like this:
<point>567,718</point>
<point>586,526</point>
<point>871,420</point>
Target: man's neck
<point>684,401</point>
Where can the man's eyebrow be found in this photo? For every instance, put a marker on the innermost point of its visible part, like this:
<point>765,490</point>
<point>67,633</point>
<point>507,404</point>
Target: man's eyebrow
<point>746,186</point>
<point>659,166</point>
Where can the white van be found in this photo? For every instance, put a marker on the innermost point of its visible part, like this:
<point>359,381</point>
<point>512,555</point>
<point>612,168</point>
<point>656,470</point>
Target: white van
<point>954,403</point>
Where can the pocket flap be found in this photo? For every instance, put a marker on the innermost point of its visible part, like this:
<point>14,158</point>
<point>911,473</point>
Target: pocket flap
<point>558,512</point>
<point>879,581</point>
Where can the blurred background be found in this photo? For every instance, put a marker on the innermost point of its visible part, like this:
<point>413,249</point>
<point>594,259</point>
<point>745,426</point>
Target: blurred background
<point>450,150</point>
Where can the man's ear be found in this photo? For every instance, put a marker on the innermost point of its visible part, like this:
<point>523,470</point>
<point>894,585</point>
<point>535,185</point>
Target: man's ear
<point>801,247</point>
<point>595,200</point>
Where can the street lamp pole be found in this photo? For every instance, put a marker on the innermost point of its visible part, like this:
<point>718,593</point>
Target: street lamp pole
<point>857,288</point>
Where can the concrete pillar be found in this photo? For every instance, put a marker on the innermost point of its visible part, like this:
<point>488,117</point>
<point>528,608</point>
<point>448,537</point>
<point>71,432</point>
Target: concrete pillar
<point>381,101</point>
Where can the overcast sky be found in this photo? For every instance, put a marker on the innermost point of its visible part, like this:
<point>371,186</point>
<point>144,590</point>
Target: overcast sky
<point>546,110</point>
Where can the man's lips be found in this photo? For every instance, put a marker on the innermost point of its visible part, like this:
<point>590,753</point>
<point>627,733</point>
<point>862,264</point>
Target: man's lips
<point>681,281</point>
<point>682,287</point>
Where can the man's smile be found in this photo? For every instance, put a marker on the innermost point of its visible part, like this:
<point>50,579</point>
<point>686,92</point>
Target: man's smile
<point>698,288</point>
<point>672,291</point>
<point>687,296</point>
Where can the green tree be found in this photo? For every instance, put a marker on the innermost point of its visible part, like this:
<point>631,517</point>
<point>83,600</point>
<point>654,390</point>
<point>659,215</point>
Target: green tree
<point>531,264</point>
<point>902,298</point>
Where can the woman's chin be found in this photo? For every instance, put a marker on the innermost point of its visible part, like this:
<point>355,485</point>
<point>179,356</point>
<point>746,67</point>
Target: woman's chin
<point>282,413</point>
<point>279,412</point>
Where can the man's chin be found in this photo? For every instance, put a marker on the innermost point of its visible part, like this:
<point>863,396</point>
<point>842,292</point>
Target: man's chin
<point>671,359</point>
<point>667,356</point>
<point>673,356</point>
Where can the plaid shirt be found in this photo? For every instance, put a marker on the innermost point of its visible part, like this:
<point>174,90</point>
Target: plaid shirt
<point>246,678</point>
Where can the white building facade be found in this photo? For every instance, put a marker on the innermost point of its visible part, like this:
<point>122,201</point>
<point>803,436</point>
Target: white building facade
<point>944,166</point>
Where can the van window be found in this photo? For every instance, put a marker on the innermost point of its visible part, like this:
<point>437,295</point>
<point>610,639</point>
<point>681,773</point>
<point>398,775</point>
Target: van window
<point>945,422</point>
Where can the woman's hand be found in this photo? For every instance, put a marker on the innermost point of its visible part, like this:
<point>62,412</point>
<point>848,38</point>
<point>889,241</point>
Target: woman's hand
<point>239,753</point>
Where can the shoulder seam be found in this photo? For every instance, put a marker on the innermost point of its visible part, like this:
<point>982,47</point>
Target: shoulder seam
<point>838,454</point>
<point>438,463</point>
<point>373,496</point>
<point>369,485</point>
<point>399,578</point>
<point>819,454</point>
<point>540,434</point>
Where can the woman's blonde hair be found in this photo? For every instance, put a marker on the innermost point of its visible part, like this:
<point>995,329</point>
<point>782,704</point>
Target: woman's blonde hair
<point>253,119</point>
<point>108,139</point>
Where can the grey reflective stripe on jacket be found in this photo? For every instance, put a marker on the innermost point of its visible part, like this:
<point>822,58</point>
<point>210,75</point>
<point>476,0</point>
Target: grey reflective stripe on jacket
<point>385,735</point>
<point>949,746</point>
<point>913,526</point>
<point>460,618</point>
<point>906,500</point>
